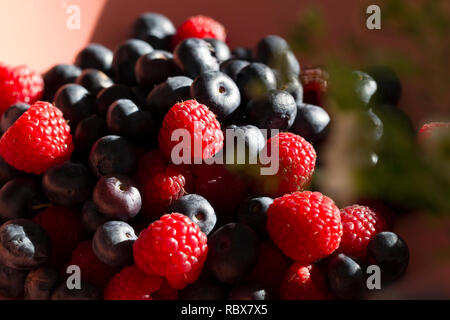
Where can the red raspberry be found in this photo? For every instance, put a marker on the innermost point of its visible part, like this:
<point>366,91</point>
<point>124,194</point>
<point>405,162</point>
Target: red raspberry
<point>200,27</point>
<point>304,282</point>
<point>359,224</point>
<point>63,227</point>
<point>430,129</point>
<point>38,140</point>
<point>173,247</point>
<point>92,269</point>
<point>166,292</point>
<point>132,284</point>
<point>315,85</point>
<point>223,189</point>
<point>19,84</point>
<point>201,124</point>
<point>160,183</point>
<point>306,226</point>
<point>297,161</point>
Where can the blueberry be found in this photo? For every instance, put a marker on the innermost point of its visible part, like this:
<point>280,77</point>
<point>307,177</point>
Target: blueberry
<point>375,125</point>
<point>233,251</point>
<point>293,86</point>
<point>116,196</point>
<point>126,119</point>
<point>166,94</point>
<point>17,198</point>
<point>365,86</point>
<point>88,131</point>
<point>255,80</point>
<point>232,67</point>
<point>248,291</point>
<point>217,91</point>
<point>242,53</point>
<point>346,279</point>
<point>111,94</point>
<point>113,243</point>
<point>91,218</point>
<point>75,102</point>
<point>7,172</point>
<point>276,110</point>
<point>125,57</point>
<point>390,253</point>
<point>86,292</point>
<point>198,209</point>
<point>68,183</point>
<point>40,283</point>
<point>24,245</point>
<point>154,67</point>
<point>11,282</point>
<point>248,136</point>
<point>312,122</point>
<point>194,57</point>
<point>12,114</point>
<point>95,56</point>
<point>389,87</point>
<point>154,28</point>
<point>94,80</point>
<point>112,154</point>
<point>220,49</point>
<point>58,76</point>
<point>253,213</point>
<point>205,288</point>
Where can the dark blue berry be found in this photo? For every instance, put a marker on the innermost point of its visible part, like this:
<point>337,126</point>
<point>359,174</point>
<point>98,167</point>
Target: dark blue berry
<point>242,53</point>
<point>217,91</point>
<point>94,81</point>
<point>112,154</point>
<point>232,67</point>
<point>111,94</point>
<point>75,102</point>
<point>17,198</point>
<point>346,279</point>
<point>11,282</point>
<point>312,122</point>
<point>198,209</point>
<point>276,110</point>
<point>255,81</point>
<point>125,57</point>
<point>7,172</point>
<point>68,184</point>
<point>293,86</point>
<point>154,67</point>
<point>194,57</point>
<point>88,131</point>
<point>248,136</point>
<point>155,29</point>
<point>91,218</point>
<point>117,197</point>
<point>232,251</point>
<point>364,85</point>
<point>249,291</point>
<point>205,288</point>
<point>253,213</point>
<point>220,49</point>
<point>86,292</point>
<point>389,87</point>
<point>24,245</point>
<point>95,56</point>
<point>58,76</point>
<point>391,253</point>
<point>113,243</point>
<point>12,114</point>
<point>40,283</point>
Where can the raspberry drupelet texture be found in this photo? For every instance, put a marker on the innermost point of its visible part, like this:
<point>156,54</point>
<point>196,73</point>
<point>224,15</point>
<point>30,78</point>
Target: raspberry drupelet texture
<point>173,247</point>
<point>315,85</point>
<point>306,226</point>
<point>19,84</point>
<point>132,284</point>
<point>304,282</point>
<point>359,224</point>
<point>297,161</point>
<point>202,126</point>
<point>200,27</point>
<point>38,140</point>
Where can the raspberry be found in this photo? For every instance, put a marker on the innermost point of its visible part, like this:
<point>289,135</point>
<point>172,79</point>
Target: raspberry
<point>92,269</point>
<point>38,140</point>
<point>315,85</point>
<point>306,226</point>
<point>63,227</point>
<point>359,224</point>
<point>132,284</point>
<point>202,125</point>
<point>304,282</point>
<point>160,183</point>
<point>432,128</point>
<point>200,27</point>
<point>173,247</point>
<point>19,84</point>
<point>297,160</point>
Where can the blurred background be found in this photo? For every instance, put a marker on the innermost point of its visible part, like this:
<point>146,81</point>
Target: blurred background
<point>413,42</point>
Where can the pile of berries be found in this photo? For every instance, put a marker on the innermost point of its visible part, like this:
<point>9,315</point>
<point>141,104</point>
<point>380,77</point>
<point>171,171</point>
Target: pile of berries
<point>89,182</point>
